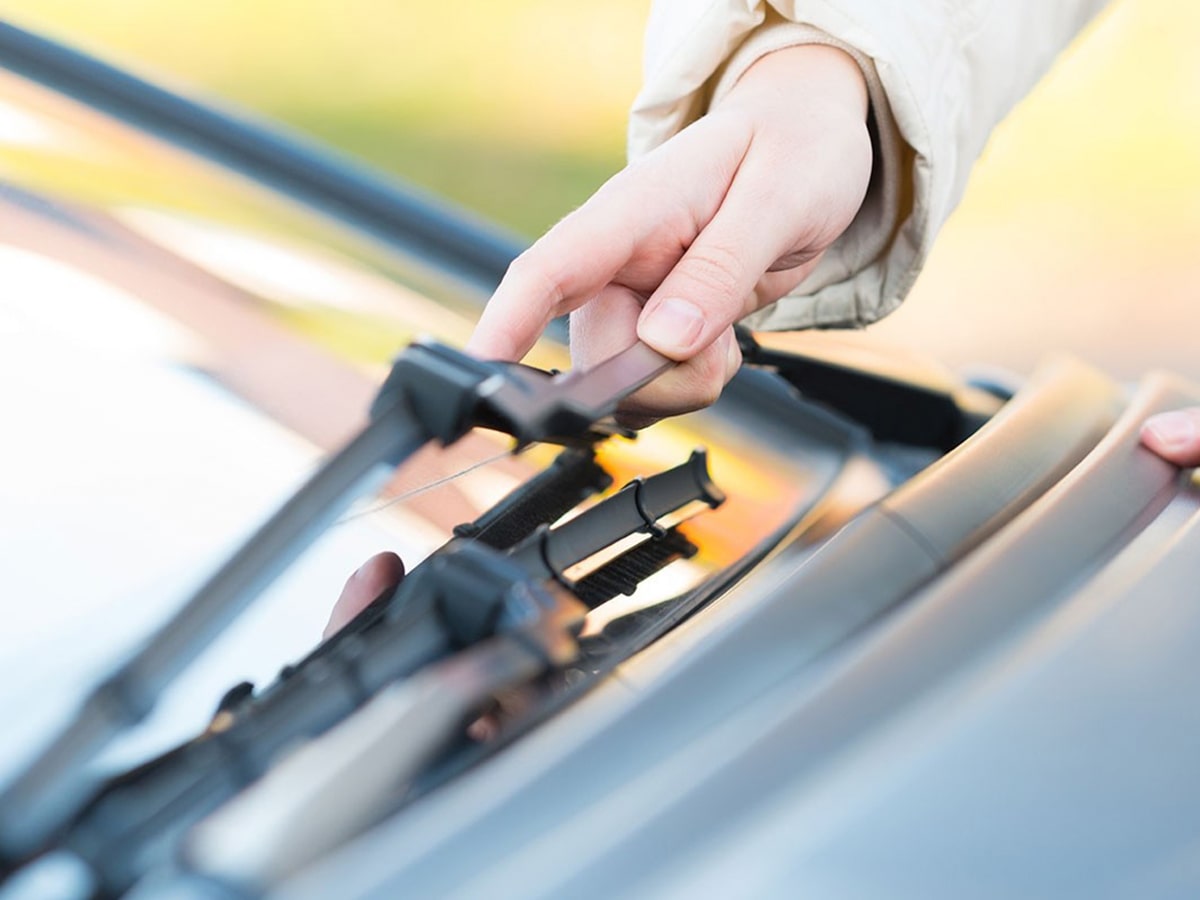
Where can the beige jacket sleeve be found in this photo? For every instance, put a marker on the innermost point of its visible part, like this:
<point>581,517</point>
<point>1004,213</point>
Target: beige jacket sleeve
<point>941,74</point>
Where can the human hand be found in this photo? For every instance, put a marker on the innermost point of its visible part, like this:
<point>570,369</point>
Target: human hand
<point>723,219</point>
<point>1175,436</point>
<point>382,572</point>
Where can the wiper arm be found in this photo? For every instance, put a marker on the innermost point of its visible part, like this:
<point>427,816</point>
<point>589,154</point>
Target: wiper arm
<point>290,817</point>
<point>903,408</point>
<point>433,393</point>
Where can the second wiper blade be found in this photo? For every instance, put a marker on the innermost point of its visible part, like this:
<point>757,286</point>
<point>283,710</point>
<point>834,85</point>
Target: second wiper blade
<point>463,594</point>
<point>285,820</point>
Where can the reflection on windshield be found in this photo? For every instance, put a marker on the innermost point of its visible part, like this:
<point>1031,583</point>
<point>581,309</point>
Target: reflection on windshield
<point>48,300</point>
<point>22,129</point>
<point>320,289</point>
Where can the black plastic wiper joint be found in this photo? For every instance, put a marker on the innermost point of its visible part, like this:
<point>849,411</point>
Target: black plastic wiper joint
<point>478,592</point>
<point>450,393</point>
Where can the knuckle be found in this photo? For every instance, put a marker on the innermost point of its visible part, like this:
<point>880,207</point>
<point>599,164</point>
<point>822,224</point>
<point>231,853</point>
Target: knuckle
<point>733,361</point>
<point>808,253</point>
<point>708,380</point>
<point>707,394</point>
<point>814,225</point>
<point>531,274</point>
<point>716,268</point>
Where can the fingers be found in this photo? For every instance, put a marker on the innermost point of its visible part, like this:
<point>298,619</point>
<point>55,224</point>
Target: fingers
<point>704,291</point>
<point>558,273</point>
<point>798,187</point>
<point>642,219</point>
<point>722,219</point>
<point>1175,436</point>
<point>691,385</point>
<point>713,284</point>
<point>606,325</point>
<point>379,574</point>
<point>568,266</point>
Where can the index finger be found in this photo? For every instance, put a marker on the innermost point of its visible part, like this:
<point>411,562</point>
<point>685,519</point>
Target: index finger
<point>666,196</point>
<point>564,269</point>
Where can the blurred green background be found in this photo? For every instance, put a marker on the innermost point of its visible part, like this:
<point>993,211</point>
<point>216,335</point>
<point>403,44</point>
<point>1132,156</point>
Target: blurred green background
<point>513,108</point>
<point>1078,232</point>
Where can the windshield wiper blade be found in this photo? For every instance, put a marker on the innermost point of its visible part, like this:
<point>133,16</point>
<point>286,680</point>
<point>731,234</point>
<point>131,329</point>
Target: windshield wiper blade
<point>464,594</point>
<point>283,821</point>
<point>573,477</point>
<point>624,573</point>
<point>433,393</point>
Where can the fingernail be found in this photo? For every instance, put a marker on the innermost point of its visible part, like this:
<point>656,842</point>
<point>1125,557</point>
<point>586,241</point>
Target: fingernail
<point>1172,429</point>
<point>672,326</point>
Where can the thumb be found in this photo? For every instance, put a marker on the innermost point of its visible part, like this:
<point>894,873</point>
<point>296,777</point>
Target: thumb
<point>712,285</point>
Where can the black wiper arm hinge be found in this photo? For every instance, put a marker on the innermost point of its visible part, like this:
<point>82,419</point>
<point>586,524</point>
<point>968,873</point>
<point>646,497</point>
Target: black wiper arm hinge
<point>451,393</point>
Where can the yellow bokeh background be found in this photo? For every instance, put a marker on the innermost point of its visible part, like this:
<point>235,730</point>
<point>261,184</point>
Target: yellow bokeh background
<point>1077,233</point>
<point>1080,228</point>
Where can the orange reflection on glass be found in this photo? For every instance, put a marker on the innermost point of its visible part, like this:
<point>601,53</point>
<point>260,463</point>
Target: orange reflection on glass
<point>760,494</point>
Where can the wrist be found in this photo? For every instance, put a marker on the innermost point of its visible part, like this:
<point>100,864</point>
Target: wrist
<point>829,76</point>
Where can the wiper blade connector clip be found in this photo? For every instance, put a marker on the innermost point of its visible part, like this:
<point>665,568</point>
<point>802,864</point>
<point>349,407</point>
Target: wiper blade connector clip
<point>450,393</point>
